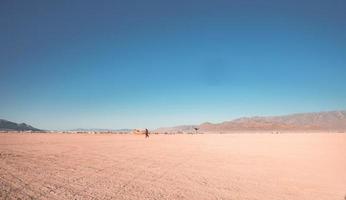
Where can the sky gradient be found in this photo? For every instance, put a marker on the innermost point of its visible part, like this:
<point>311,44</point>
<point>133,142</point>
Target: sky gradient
<point>134,64</point>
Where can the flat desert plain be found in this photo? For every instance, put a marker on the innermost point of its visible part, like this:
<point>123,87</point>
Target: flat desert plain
<point>203,166</point>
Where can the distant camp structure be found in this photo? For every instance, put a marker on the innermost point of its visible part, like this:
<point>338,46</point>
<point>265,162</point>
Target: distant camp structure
<point>196,129</point>
<point>138,131</point>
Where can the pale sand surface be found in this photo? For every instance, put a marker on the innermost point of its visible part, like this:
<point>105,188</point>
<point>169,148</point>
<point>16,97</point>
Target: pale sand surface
<point>229,166</point>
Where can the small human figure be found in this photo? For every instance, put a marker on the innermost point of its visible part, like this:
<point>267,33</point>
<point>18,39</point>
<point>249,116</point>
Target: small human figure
<point>146,133</point>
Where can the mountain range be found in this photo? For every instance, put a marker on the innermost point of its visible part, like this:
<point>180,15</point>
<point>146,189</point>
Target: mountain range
<point>320,121</point>
<point>12,126</point>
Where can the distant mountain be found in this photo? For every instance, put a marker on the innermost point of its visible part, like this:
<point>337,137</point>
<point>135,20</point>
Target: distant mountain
<point>321,121</point>
<point>12,126</point>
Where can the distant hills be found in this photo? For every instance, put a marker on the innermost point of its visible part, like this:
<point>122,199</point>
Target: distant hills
<point>12,126</point>
<point>321,121</point>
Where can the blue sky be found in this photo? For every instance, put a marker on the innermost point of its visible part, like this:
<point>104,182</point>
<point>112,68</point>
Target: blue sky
<point>128,64</point>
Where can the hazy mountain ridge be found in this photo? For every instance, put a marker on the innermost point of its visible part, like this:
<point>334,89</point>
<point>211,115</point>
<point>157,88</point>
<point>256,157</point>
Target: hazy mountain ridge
<point>6,125</point>
<point>319,121</point>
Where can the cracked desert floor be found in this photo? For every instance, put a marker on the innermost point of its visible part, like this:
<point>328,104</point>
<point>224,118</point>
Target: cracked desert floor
<point>229,166</point>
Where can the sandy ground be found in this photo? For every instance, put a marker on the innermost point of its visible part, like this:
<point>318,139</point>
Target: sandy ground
<point>230,166</point>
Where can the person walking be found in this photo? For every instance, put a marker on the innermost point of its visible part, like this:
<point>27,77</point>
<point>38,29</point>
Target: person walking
<point>146,133</point>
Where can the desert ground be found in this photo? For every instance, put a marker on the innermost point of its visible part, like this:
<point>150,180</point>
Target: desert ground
<point>203,166</point>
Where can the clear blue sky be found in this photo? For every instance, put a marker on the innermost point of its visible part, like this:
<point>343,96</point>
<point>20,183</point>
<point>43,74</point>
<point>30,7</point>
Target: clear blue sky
<point>127,64</point>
